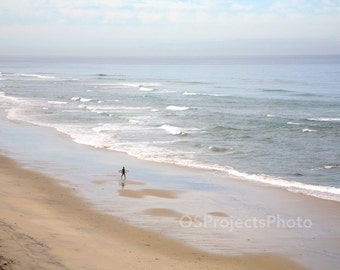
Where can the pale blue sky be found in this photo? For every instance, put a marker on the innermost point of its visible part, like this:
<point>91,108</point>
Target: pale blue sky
<point>164,27</point>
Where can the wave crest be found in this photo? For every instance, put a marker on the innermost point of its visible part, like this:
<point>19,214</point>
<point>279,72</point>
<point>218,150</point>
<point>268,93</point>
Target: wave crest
<point>177,108</point>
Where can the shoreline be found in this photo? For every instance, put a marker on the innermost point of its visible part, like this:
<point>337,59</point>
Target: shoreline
<point>45,226</point>
<point>156,196</point>
<point>292,184</point>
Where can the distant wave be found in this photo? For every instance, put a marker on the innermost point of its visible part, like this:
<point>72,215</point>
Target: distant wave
<point>177,108</point>
<point>217,149</point>
<point>85,99</point>
<point>294,123</point>
<point>308,130</point>
<point>202,94</point>
<point>81,99</point>
<point>331,166</point>
<point>291,92</point>
<point>173,130</point>
<point>145,89</point>
<point>189,82</point>
<point>143,86</point>
<point>29,75</point>
<point>101,75</point>
<point>56,102</point>
<point>277,90</point>
<point>37,76</point>
<point>324,119</point>
<point>308,95</point>
<point>127,84</point>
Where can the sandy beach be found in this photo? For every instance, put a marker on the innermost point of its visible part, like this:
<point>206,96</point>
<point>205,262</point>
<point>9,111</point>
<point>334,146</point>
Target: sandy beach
<point>46,226</point>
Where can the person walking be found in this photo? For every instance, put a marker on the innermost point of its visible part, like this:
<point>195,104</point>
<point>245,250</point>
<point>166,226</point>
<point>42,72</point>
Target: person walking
<point>123,174</point>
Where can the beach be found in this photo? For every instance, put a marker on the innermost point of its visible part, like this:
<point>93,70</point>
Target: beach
<point>61,221</point>
<point>218,176</point>
<point>46,226</point>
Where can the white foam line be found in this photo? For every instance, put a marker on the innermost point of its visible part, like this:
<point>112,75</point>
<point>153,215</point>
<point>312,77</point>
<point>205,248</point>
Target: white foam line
<point>324,119</point>
<point>177,108</point>
<point>57,102</point>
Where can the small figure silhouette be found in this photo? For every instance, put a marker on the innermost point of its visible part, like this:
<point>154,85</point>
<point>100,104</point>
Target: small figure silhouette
<point>123,173</point>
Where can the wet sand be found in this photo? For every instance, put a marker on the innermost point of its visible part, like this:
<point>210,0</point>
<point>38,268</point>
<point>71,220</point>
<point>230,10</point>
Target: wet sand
<point>44,225</point>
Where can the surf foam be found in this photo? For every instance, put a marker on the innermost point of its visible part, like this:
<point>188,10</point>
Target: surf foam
<point>177,108</point>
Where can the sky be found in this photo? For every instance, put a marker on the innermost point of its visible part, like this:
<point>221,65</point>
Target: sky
<point>169,27</point>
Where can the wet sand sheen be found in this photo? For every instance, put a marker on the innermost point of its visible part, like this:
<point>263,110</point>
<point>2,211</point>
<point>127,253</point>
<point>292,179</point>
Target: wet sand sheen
<point>161,193</point>
<point>45,226</point>
<point>163,212</point>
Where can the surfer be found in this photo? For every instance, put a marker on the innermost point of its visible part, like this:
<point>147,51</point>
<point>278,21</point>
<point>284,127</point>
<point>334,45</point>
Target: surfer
<point>123,171</point>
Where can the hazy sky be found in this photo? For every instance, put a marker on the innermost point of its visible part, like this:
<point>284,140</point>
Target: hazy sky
<point>169,27</point>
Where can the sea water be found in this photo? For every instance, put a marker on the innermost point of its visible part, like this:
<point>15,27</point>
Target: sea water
<point>274,120</point>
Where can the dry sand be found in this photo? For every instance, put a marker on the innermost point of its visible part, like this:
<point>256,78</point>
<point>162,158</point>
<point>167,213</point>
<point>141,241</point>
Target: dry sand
<point>46,226</point>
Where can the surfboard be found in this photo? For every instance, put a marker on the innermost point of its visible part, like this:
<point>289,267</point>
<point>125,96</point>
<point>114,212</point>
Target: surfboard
<point>126,171</point>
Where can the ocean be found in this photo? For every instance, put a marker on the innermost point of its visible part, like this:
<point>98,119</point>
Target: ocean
<point>274,120</point>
